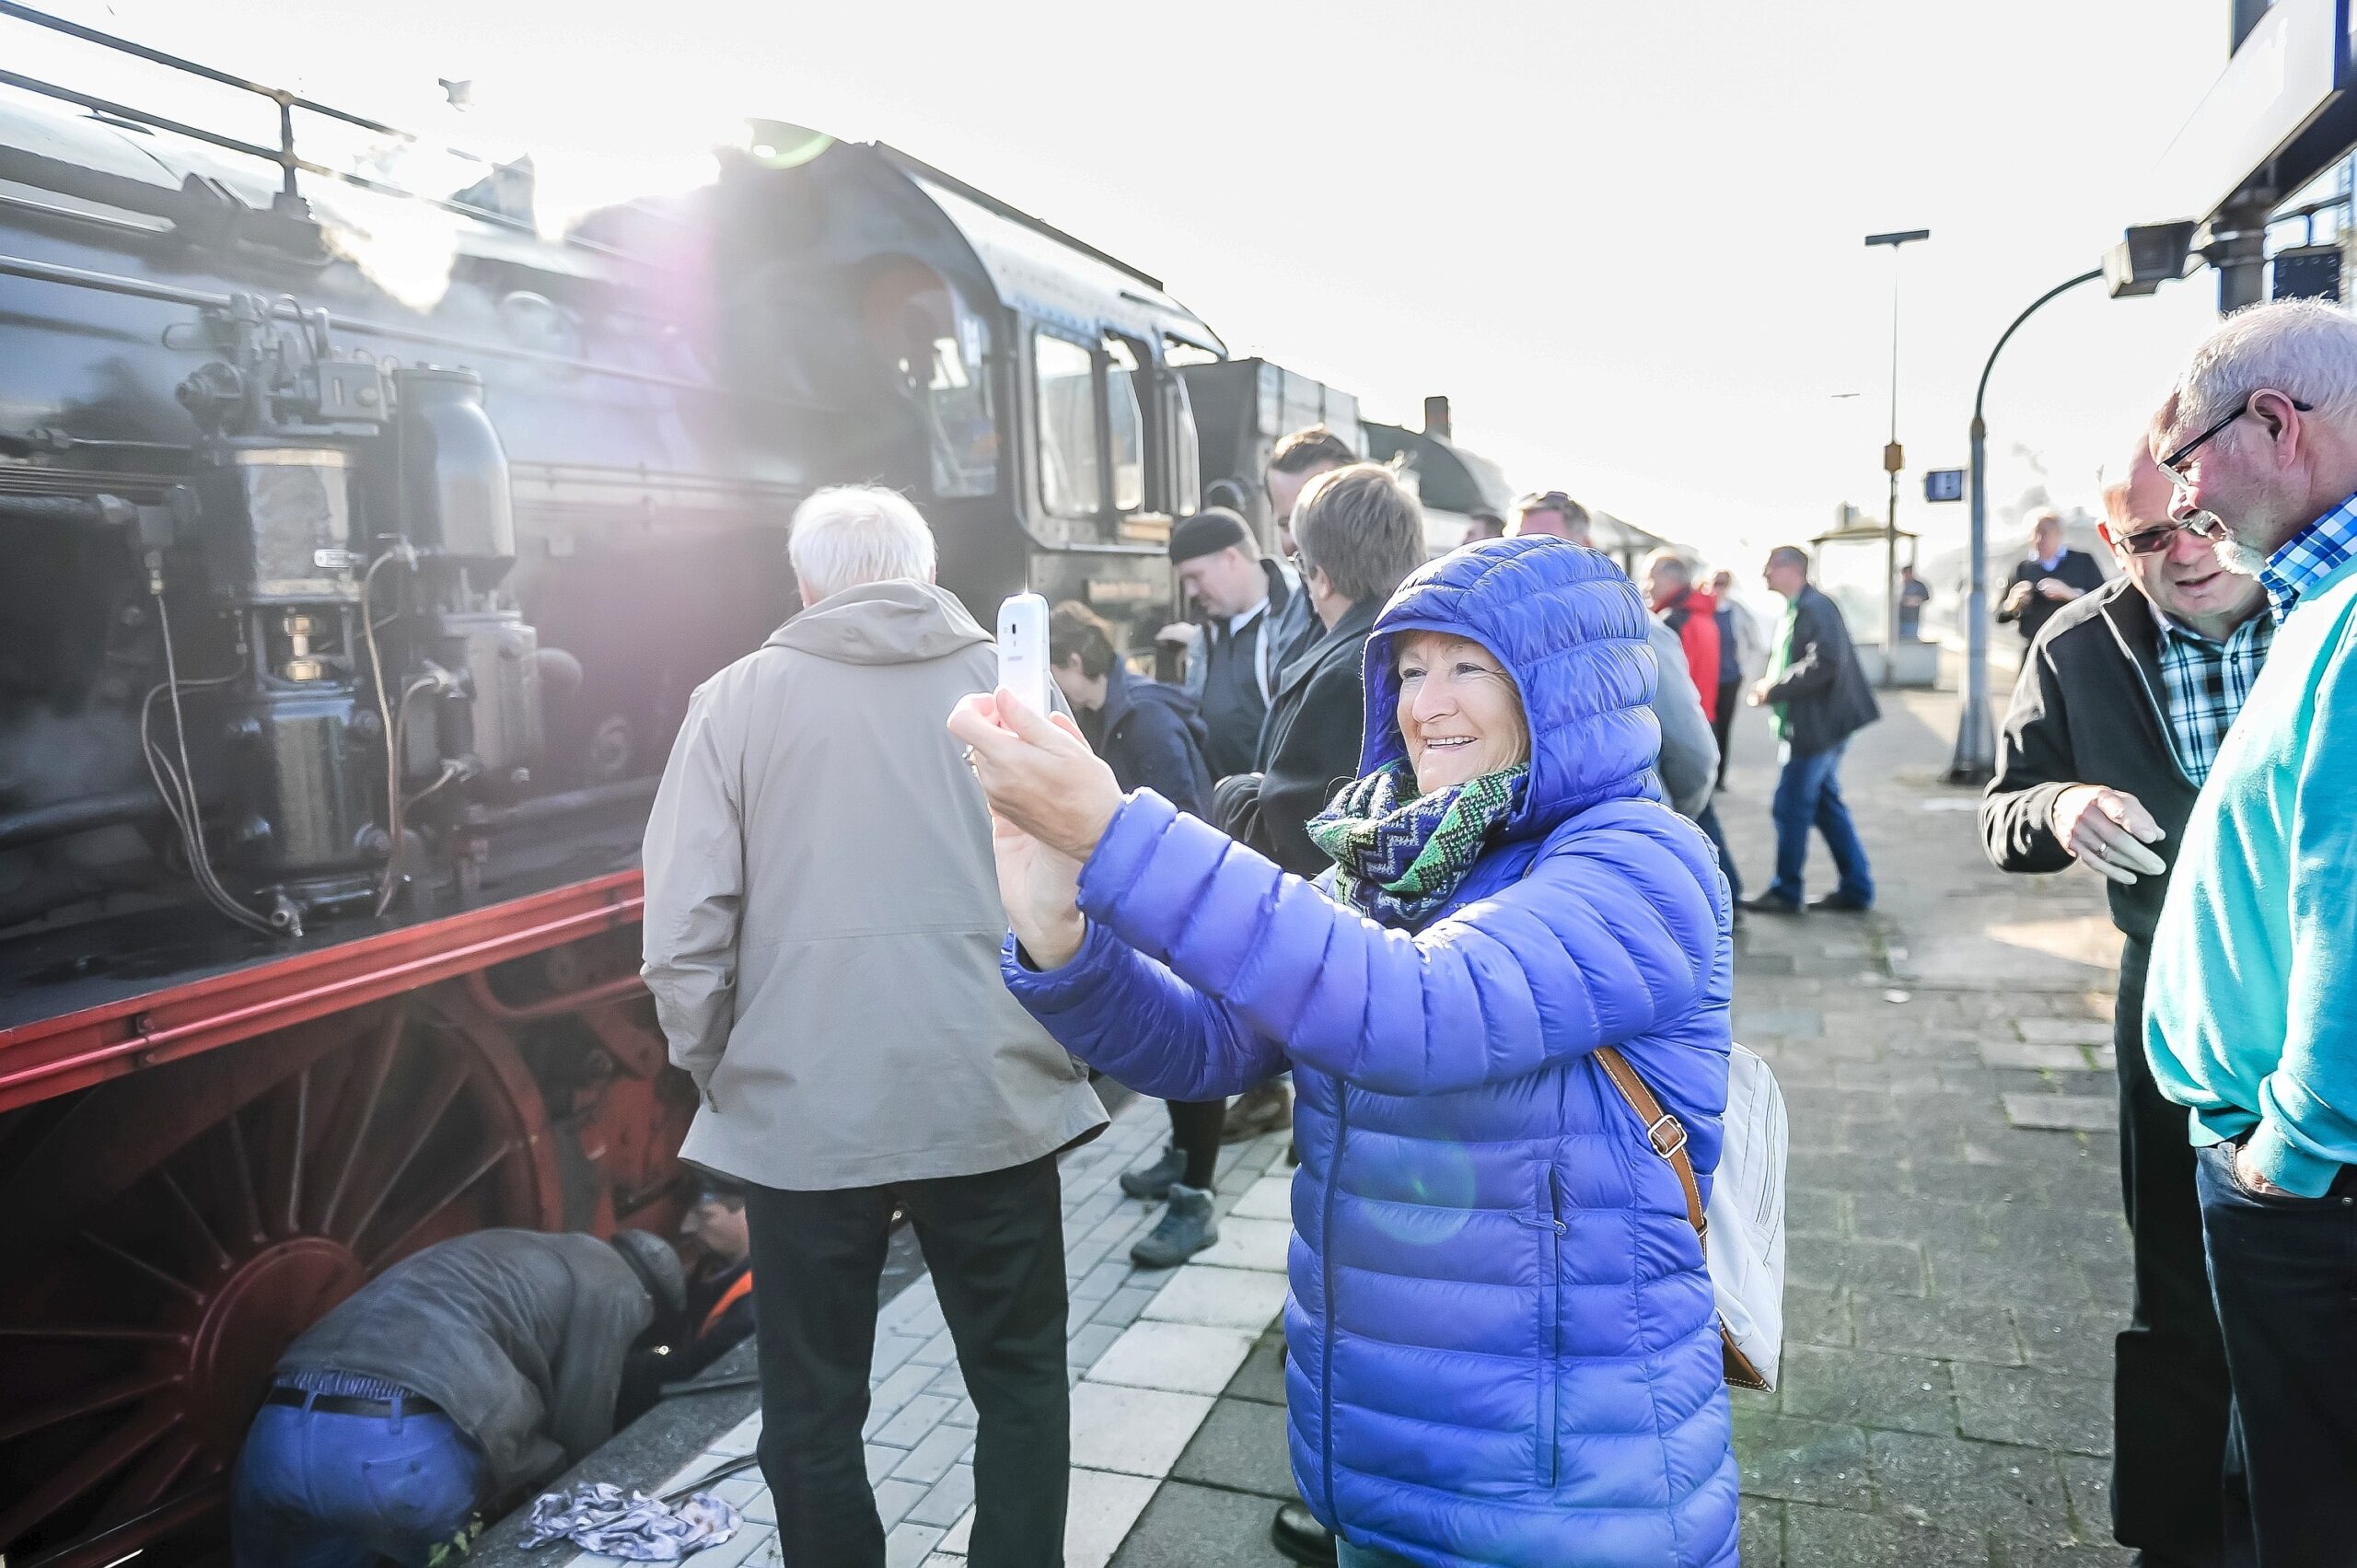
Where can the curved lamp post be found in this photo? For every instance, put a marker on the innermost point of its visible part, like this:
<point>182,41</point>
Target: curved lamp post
<point>1975,737</point>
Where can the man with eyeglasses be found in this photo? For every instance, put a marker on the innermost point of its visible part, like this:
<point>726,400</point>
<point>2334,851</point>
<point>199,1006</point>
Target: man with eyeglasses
<point>2052,577</point>
<point>2250,1017</point>
<point>2115,723</point>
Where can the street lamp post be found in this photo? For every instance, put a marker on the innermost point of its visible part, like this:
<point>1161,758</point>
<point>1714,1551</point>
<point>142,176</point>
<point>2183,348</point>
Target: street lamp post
<point>1893,459</point>
<point>1975,738</point>
<point>2149,255</point>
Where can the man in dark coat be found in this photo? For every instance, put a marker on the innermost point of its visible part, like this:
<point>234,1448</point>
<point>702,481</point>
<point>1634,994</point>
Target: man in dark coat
<point>1359,533</point>
<point>1252,608</point>
<point>2052,577</point>
<point>454,1381</point>
<point>1818,697</point>
<point>2116,720</point>
<point>1151,734</point>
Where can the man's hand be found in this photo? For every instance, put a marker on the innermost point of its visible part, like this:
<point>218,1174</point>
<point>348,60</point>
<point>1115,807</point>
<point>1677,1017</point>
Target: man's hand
<point>1039,772</point>
<point>2247,1172</point>
<point>2016,596</point>
<point>2058,590</point>
<point>2108,830</point>
<point>1759,692</point>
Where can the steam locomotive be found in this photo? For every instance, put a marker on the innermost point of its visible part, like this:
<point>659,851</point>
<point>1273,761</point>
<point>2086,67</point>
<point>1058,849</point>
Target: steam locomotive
<point>343,638</point>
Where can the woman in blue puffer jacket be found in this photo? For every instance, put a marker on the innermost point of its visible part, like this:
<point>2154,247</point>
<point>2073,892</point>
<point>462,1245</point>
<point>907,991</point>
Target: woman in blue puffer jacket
<point>1503,1344</point>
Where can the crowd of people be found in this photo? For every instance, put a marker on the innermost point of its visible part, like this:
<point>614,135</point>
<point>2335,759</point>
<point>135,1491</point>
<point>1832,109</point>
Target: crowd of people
<point>1422,837</point>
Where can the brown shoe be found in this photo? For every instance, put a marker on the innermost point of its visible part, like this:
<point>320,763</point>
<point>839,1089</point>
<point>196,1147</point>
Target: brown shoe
<point>1268,1108</point>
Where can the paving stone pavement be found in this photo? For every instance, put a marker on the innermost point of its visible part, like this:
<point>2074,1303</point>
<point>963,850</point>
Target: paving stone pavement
<point>1957,1261</point>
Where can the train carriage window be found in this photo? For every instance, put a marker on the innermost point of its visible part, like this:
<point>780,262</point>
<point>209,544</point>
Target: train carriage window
<point>1071,477</point>
<point>1127,426</point>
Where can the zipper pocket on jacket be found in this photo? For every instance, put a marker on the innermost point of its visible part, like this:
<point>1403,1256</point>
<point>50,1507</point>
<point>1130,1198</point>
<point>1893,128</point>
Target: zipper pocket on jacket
<point>1551,1299</point>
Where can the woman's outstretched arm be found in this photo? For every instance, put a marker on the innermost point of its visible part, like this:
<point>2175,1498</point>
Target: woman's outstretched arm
<point>1609,936</point>
<point>1130,1018</point>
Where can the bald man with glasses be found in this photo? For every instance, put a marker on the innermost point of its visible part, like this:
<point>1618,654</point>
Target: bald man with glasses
<point>2122,704</point>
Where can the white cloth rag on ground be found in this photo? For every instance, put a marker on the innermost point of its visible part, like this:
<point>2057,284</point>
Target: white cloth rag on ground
<point>600,1517</point>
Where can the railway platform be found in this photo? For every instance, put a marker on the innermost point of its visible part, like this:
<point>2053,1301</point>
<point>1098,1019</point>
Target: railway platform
<point>1958,1264</point>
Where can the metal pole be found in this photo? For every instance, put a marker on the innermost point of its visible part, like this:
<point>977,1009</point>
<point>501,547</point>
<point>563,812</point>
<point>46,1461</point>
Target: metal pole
<point>1975,761</point>
<point>1890,505</point>
<point>1891,464</point>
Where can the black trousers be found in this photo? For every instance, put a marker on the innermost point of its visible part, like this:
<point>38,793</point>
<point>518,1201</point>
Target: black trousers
<point>1194,1133</point>
<point>994,1245</point>
<point>2285,1272</point>
<point>2169,1397</point>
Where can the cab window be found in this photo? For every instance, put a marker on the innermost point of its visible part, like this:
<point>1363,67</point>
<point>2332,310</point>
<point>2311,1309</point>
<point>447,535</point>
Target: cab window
<point>1071,481</point>
<point>1126,425</point>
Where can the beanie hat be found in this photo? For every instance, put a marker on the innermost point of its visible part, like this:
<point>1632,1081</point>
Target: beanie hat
<point>1213,530</point>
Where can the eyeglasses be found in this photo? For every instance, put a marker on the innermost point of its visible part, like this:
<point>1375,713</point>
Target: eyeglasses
<point>1546,501</point>
<point>2174,462</point>
<point>2153,540</point>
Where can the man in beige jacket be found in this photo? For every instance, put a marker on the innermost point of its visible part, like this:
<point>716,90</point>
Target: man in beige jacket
<point>822,939</point>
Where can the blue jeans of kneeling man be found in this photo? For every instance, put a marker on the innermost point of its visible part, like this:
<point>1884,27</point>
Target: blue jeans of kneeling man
<point>319,1489</point>
<point>1808,796</point>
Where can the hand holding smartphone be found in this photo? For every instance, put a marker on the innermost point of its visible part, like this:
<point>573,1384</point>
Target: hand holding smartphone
<point>1023,650</point>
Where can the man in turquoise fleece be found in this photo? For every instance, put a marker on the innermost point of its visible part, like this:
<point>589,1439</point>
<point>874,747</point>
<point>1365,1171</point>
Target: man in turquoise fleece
<point>2251,1009</point>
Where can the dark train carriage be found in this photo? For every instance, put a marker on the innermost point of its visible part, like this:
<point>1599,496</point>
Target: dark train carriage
<point>342,639</point>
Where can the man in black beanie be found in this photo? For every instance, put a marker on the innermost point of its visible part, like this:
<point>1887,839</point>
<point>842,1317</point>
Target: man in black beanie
<point>1253,609</point>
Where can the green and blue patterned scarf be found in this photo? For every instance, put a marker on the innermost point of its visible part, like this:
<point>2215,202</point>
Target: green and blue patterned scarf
<point>1401,855</point>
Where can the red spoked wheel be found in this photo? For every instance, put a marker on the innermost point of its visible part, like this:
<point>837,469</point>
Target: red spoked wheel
<point>171,1231</point>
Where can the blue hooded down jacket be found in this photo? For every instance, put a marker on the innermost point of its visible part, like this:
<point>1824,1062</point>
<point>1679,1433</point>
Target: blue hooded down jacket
<point>1503,1345</point>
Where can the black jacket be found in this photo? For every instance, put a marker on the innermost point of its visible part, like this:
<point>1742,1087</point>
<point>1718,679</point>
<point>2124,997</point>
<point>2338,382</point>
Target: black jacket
<point>2077,568</point>
<point>2089,708</point>
<point>1826,695</point>
<point>1223,673</point>
<point>1153,737</point>
<point>1309,747</point>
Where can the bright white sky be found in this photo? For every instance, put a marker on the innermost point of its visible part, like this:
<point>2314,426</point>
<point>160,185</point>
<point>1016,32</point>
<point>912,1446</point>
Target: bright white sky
<point>1625,240</point>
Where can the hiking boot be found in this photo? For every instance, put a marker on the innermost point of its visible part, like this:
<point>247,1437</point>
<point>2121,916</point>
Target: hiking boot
<point>1152,1182</point>
<point>1186,1230</point>
<point>1267,1108</point>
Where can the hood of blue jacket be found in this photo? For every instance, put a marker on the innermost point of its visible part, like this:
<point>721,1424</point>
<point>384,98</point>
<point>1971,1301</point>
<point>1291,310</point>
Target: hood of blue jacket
<point>1569,626</point>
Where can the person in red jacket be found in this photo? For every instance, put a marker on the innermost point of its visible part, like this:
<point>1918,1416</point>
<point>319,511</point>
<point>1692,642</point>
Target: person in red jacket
<point>1694,615</point>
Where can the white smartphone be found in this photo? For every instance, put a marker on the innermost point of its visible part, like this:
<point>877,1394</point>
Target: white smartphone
<point>1023,649</point>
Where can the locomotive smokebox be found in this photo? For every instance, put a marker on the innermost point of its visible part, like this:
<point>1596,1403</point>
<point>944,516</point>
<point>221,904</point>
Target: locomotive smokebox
<point>455,500</point>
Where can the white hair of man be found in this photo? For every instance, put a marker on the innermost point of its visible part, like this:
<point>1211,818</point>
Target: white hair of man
<point>1671,565</point>
<point>2302,348</point>
<point>851,535</point>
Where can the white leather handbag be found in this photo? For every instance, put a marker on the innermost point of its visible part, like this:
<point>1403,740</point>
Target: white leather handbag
<point>1743,1231</point>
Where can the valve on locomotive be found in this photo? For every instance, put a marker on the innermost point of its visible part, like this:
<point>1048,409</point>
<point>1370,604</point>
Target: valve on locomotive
<point>363,671</point>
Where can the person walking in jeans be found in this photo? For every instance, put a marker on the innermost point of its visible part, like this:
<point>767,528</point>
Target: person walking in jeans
<point>822,930</point>
<point>1818,698</point>
<point>2117,720</point>
<point>2251,1010</point>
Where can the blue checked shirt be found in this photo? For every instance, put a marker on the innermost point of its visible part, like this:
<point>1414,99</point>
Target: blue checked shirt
<point>2206,683</point>
<point>2310,557</point>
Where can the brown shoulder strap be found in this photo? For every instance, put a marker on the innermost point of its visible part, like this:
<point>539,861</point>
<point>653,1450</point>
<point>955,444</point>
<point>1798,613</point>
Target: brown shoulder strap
<point>1662,1130</point>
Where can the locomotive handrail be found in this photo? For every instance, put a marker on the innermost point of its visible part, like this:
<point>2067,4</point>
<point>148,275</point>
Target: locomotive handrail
<point>283,156</point>
<point>170,294</point>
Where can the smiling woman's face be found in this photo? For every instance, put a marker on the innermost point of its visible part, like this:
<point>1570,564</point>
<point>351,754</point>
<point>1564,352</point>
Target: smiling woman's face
<point>1458,711</point>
